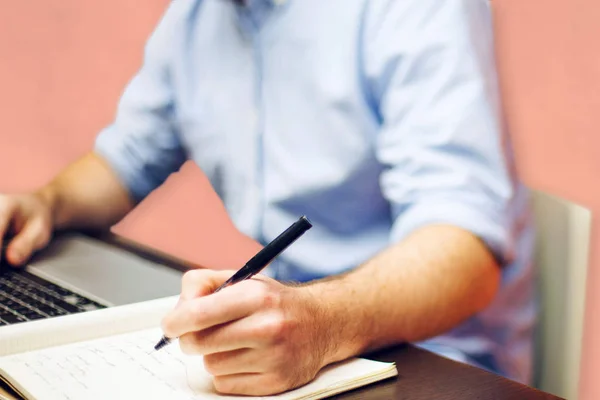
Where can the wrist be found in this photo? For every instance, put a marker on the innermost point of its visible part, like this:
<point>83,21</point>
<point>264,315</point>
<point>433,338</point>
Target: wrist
<point>49,198</point>
<point>337,322</point>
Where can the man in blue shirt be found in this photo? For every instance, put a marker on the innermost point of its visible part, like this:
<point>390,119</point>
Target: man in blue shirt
<point>380,121</point>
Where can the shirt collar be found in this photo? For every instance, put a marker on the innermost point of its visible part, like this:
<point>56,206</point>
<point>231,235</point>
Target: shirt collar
<point>270,2</point>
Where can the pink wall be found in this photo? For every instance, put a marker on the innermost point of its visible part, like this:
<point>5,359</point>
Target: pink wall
<point>63,65</point>
<point>549,60</point>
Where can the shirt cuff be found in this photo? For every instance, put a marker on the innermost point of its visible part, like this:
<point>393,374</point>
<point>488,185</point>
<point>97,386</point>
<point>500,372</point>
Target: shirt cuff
<point>120,158</point>
<point>491,227</point>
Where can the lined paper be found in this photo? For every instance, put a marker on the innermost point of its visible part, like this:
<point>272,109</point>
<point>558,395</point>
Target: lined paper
<point>125,367</point>
<point>89,325</point>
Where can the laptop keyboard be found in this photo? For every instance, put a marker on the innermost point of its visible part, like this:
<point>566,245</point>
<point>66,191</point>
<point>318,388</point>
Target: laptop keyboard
<point>26,297</point>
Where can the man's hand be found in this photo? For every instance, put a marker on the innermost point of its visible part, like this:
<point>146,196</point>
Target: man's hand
<point>258,337</point>
<point>29,218</point>
<point>86,194</point>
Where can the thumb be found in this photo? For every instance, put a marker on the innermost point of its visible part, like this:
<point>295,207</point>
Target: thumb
<point>33,236</point>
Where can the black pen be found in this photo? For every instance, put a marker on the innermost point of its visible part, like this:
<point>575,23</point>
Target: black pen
<point>260,260</point>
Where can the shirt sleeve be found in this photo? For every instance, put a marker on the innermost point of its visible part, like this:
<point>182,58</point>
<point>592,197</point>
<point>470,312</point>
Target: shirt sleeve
<point>142,144</point>
<point>429,68</point>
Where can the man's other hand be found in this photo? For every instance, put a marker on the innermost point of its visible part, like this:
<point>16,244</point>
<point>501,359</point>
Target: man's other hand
<point>27,217</point>
<point>258,337</point>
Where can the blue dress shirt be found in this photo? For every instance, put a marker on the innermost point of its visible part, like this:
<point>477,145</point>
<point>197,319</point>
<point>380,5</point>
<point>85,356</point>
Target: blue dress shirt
<point>372,117</point>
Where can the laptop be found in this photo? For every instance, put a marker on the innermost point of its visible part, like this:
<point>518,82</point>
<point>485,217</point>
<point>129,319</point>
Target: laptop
<point>77,273</point>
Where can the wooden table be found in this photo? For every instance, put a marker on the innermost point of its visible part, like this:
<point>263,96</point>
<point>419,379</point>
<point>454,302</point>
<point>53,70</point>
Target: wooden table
<point>426,376</point>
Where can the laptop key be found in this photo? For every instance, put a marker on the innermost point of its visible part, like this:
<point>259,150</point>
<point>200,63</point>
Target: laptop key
<point>37,292</point>
<point>19,308</point>
<point>59,290</point>
<point>72,299</point>
<point>33,316</point>
<point>54,312</point>
<point>82,301</point>
<point>90,307</point>
<point>45,309</point>
<point>11,304</point>
<point>66,306</point>
<point>11,318</point>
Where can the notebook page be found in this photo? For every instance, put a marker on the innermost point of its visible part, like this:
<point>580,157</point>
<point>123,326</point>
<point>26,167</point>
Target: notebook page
<point>84,326</point>
<point>125,367</point>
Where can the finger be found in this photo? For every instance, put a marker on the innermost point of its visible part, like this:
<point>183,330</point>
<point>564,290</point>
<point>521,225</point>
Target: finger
<point>32,237</point>
<point>196,343</point>
<point>256,331</point>
<point>197,314</point>
<point>254,384</point>
<point>240,361</point>
<point>221,338</point>
<point>202,282</point>
<point>7,209</point>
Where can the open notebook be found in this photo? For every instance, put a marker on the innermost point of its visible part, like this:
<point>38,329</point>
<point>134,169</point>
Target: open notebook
<point>107,354</point>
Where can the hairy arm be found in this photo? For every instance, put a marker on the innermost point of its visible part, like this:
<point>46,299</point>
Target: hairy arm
<point>419,288</point>
<point>250,333</point>
<point>444,173</point>
<point>86,194</point>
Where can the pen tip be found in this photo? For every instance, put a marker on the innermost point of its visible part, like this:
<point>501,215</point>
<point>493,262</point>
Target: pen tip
<point>162,343</point>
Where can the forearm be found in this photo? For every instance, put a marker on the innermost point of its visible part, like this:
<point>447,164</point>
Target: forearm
<point>87,194</point>
<point>419,288</point>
